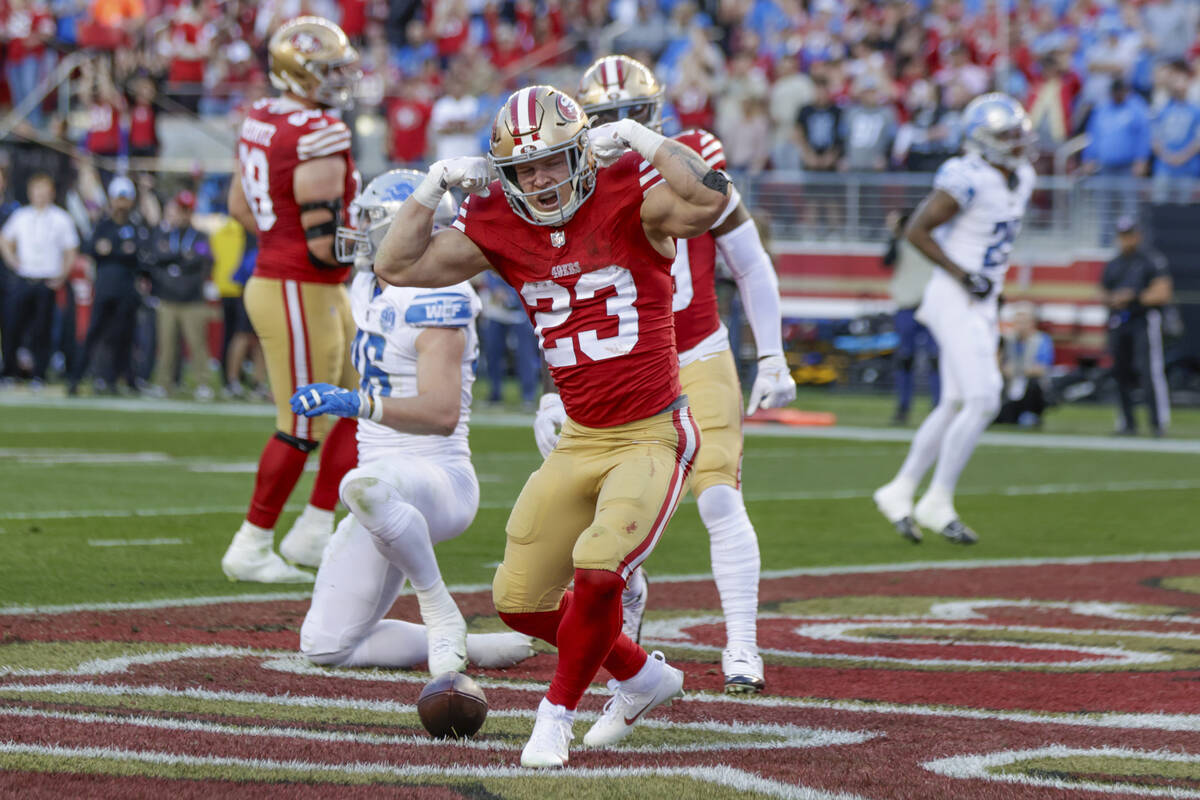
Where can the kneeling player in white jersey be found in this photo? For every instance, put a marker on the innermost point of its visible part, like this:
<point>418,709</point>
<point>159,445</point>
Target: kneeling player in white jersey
<point>966,226</point>
<point>415,485</point>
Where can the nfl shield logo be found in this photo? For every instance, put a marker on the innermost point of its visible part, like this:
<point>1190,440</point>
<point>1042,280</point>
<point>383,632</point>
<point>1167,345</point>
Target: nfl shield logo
<point>558,238</point>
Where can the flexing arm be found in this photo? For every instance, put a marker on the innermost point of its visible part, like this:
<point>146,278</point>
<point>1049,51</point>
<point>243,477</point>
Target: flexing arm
<point>411,254</point>
<point>239,209</point>
<point>317,186</point>
<point>435,409</point>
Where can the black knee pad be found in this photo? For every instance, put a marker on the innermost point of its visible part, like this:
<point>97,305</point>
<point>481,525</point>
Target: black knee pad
<point>303,445</point>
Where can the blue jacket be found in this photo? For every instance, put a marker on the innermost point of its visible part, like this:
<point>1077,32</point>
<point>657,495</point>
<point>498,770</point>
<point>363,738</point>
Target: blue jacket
<point>1120,134</point>
<point>1175,128</point>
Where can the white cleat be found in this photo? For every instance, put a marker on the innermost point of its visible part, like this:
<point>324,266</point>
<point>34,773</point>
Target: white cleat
<point>896,506</point>
<point>938,515</point>
<point>447,647</point>
<point>547,745</point>
<point>743,668</point>
<point>498,650</point>
<point>250,558</point>
<point>626,707</point>
<point>633,604</point>
<point>306,541</point>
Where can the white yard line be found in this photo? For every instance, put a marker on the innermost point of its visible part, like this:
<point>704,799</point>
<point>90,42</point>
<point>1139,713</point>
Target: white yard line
<point>900,567</point>
<point>135,542</point>
<point>722,776</point>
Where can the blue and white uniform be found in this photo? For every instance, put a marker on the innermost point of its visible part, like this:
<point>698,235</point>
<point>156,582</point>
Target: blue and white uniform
<point>357,584</point>
<point>978,239</point>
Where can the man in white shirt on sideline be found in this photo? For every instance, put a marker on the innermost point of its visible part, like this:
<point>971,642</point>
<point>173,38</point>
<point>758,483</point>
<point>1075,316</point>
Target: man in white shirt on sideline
<point>455,120</point>
<point>39,243</point>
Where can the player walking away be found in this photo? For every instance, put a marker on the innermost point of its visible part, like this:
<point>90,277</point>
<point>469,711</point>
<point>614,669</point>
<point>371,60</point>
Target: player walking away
<point>966,226</point>
<point>1137,285</point>
<point>618,87</point>
<point>589,250</point>
<point>414,485</point>
<point>297,175</point>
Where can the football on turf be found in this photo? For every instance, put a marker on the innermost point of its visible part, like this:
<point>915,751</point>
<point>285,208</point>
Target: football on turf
<point>452,706</point>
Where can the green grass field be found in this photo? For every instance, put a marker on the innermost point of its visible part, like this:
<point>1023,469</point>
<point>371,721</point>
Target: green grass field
<point>137,500</point>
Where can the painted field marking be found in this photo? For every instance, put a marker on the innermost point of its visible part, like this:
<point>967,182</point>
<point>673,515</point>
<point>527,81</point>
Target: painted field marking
<point>736,779</point>
<point>837,494</point>
<point>134,542</point>
<point>54,457</point>
<point>979,767</point>
<point>789,736</point>
<point>796,572</point>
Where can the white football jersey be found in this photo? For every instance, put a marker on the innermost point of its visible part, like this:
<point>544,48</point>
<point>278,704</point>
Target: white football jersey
<point>980,237</point>
<point>385,355</point>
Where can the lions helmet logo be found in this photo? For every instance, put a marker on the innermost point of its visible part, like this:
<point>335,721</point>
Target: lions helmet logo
<point>304,42</point>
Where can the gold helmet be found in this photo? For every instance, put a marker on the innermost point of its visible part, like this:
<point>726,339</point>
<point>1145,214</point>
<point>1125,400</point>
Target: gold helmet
<point>615,87</point>
<point>539,122</point>
<point>312,58</point>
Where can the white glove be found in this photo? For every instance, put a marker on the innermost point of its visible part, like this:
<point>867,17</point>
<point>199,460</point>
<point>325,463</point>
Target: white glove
<point>471,173</point>
<point>773,386</point>
<point>610,141</point>
<point>549,420</point>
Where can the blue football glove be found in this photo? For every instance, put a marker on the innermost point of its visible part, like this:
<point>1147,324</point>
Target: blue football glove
<point>325,398</point>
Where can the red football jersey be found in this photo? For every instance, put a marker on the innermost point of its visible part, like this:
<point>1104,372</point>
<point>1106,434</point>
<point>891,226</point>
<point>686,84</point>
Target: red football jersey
<point>694,270</point>
<point>276,136</point>
<point>597,292</point>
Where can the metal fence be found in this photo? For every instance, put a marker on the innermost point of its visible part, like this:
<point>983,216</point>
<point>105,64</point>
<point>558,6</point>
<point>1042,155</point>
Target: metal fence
<point>1066,212</point>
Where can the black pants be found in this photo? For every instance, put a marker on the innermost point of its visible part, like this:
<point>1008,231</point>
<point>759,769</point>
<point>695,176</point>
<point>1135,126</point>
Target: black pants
<point>1033,401</point>
<point>1137,351</point>
<point>30,318</point>
<point>114,311</point>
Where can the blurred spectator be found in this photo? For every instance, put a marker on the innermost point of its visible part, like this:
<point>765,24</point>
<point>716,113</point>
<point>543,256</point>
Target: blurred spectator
<point>819,130</point>
<point>1171,26</point>
<point>143,121</point>
<point>190,41</point>
<point>112,23</point>
<point>1051,100</point>
<point>104,117</point>
<point>910,272</point>
<point>1175,139</point>
<point>1119,129</point>
<point>1027,355</point>
<point>39,243</point>
<point>1136,286</point>
<point>791,91</point>
<point>117,248</point>
<point>743,81</point>
<point>506,331</point>
<point>647,30</point>
<point>7,207</point>
<point>408,117</point>
<point>960,71</point>
<point>27,29</point>
<point>692,92</point>
<point>181,260</point>
<point>748,144</point>
<point>234,255</point>
<point>454,118</point>
<point>1109,59</point>
<point>929,136</point>
<point>869,127</point>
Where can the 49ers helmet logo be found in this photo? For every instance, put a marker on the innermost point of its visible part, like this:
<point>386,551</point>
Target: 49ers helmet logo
<point>567,108</point>
<point>304,42</point>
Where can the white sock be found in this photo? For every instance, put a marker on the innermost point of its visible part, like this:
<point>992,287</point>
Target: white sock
<point>735,562</point>
<point>316,516</point>
<point>646,677</point>
<point>959,442</point>
<point>437,606</point>
<point>251,534</point>
<point>555,710</point>
<point>926,443</point>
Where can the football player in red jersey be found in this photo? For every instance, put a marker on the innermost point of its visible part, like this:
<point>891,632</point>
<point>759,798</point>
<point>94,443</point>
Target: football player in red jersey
<point>617,87</point>
<point>297,178</point>
<point>584,231</point>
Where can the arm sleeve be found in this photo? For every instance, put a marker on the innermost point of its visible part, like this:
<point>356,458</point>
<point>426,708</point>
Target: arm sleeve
<point>757,283</point>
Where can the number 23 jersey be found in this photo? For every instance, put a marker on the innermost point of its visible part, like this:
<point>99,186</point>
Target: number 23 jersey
<point>385,354</point>
<point>276,137</point>
<point>597,292</point>
<point>980,237</point>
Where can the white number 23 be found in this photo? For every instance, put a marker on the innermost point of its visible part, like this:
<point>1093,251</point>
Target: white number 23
<point>562,352</point>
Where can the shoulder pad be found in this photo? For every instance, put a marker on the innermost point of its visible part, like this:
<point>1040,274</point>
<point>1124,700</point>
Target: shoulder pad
<point>953,177</point>
<point>440,310</point>
<point>706,144</point>
<point>324,138</point>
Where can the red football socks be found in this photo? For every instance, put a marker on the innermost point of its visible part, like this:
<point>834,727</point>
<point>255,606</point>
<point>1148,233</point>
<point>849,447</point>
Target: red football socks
<point>339,455</point>
<point>279,468</point>
<point>586,628</point>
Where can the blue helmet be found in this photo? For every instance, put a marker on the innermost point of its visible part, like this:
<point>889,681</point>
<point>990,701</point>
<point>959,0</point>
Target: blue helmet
<point>372,213</point>
<point>997,128</point>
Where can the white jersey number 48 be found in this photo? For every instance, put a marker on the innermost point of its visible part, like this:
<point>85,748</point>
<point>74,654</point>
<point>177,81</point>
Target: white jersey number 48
<point>564,352</point>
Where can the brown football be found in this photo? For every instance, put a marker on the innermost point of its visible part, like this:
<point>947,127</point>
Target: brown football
<point>452,706</point>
